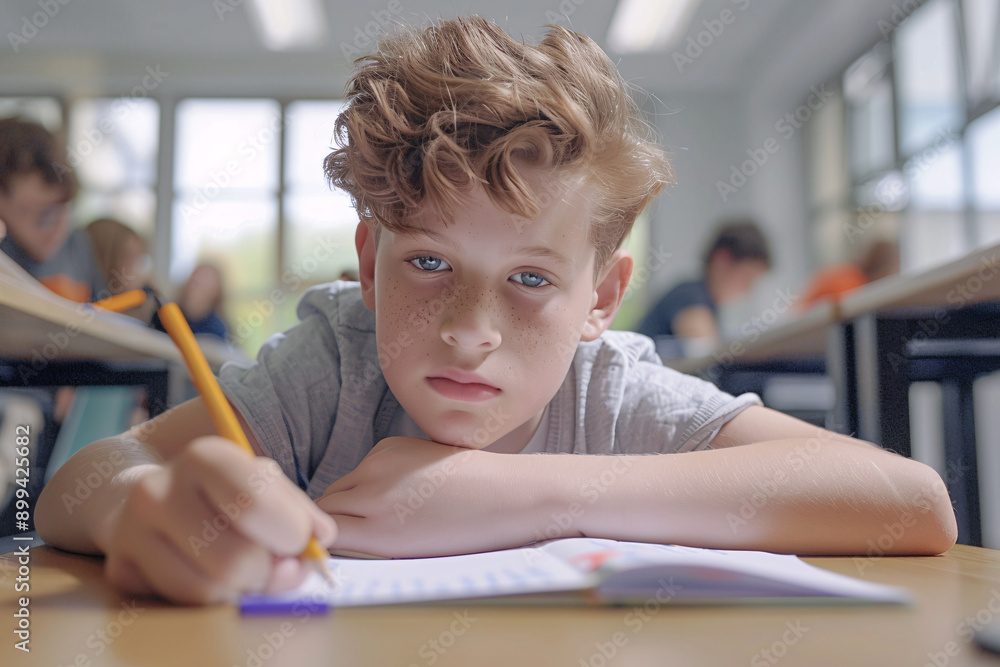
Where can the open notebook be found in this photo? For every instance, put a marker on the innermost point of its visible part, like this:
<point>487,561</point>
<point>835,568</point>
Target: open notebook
<point>594,570</point>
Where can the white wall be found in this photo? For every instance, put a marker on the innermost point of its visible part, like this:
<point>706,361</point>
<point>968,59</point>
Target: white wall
<point>698,131</point>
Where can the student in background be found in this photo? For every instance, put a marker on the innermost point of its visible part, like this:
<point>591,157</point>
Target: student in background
<point>201,300</point>
<point>36,187</point>
<point>121,255</point>
<point>878,260</point>
<point>736,258</point>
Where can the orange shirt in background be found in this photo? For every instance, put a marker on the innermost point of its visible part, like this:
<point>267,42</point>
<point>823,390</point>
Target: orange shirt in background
<point>831,283</point>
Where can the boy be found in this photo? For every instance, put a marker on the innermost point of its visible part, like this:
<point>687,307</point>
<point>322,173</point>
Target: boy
<point>35,189</point>
<point>737,257</point>
<point>495,182</point>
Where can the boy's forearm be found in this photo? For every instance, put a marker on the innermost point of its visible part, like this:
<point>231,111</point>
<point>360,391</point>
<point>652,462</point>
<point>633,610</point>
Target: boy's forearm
<point>795,496</point>
<point>77,507</point>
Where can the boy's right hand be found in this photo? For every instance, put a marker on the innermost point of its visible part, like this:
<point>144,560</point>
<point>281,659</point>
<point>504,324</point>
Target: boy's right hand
<point>209,524</point>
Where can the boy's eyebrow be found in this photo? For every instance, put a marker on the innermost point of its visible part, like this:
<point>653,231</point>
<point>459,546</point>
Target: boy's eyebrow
<point>530,251</point>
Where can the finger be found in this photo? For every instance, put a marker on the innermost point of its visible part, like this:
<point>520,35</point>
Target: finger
<point>217,548</point>
<point>324,527</point>
<point>201,533</point>
<point>125,577</point>
<point>354,534</point>
<point>173,577</point>
<point>272,511</point>
<point>287,572</point>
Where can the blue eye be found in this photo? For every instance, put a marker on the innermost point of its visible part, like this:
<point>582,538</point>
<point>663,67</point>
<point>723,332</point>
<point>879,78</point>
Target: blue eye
<point>429,264</point>
<point>529,279</point>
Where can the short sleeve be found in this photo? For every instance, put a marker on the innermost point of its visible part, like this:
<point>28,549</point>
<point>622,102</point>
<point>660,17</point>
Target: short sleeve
<point>289,396</point>
<point>618,398</point>
<point>664,411</point>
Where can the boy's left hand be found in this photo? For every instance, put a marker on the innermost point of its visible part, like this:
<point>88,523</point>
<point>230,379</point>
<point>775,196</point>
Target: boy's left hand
<point>414,498</point>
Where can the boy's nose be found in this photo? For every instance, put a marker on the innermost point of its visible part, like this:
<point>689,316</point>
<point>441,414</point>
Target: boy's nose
<point>471,324</point>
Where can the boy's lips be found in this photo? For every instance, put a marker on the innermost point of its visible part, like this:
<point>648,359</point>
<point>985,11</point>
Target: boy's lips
<point>462,385</point>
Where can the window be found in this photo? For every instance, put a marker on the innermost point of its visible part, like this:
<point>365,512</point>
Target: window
<point>319,223</point>
<point>250,196</point>
<point>923,134</point>
<point>868,92</point>
<point>928,86</point>
<point>982,32</point>
<point>984,145</point>
<point>46,111</point>
<point>113,145</point>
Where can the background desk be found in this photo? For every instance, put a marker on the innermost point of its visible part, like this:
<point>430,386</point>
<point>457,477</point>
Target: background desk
<point>71,604</point>
<point>49,341</point>
<point>941,325</point>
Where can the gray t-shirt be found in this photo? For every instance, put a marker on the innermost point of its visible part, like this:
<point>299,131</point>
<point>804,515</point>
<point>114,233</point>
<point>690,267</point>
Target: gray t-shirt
<point>317,401</point>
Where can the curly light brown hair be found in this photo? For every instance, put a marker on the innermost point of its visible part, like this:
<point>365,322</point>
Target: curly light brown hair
<point>439,109</point>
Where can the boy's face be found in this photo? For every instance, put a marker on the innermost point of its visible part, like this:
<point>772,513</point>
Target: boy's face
<point>477,322</point>
<point>36,215</point>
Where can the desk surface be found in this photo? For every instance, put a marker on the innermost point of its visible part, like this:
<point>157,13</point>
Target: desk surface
<point>75,616</point>
<point>39,326</point>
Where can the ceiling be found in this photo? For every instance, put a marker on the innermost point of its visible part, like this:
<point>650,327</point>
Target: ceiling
<point>805,39</point>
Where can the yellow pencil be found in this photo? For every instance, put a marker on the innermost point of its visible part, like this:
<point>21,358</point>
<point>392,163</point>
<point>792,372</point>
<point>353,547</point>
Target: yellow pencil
<point>122,302</point>
<point>218,407</point>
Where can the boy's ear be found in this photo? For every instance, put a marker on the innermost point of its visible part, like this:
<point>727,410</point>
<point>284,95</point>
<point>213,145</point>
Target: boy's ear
<point>608,294</point>
<point>364,241</point>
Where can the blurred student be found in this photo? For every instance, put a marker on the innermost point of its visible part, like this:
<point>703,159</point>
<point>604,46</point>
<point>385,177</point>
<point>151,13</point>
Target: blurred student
<point>36,186</point>
<point>201,300</point>
<point>736,258</point>
<point>121,255</point>
<point>831,283</point>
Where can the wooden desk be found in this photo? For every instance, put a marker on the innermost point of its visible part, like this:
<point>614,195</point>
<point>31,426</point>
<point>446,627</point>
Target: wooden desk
<point>75,615</point>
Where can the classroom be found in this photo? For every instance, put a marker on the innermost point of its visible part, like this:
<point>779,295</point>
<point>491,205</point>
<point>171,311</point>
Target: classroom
<point>563,332</point>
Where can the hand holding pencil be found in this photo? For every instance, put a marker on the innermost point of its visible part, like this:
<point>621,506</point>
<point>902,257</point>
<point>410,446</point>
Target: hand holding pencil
<point>200,521</point>
<point>219,408</point>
